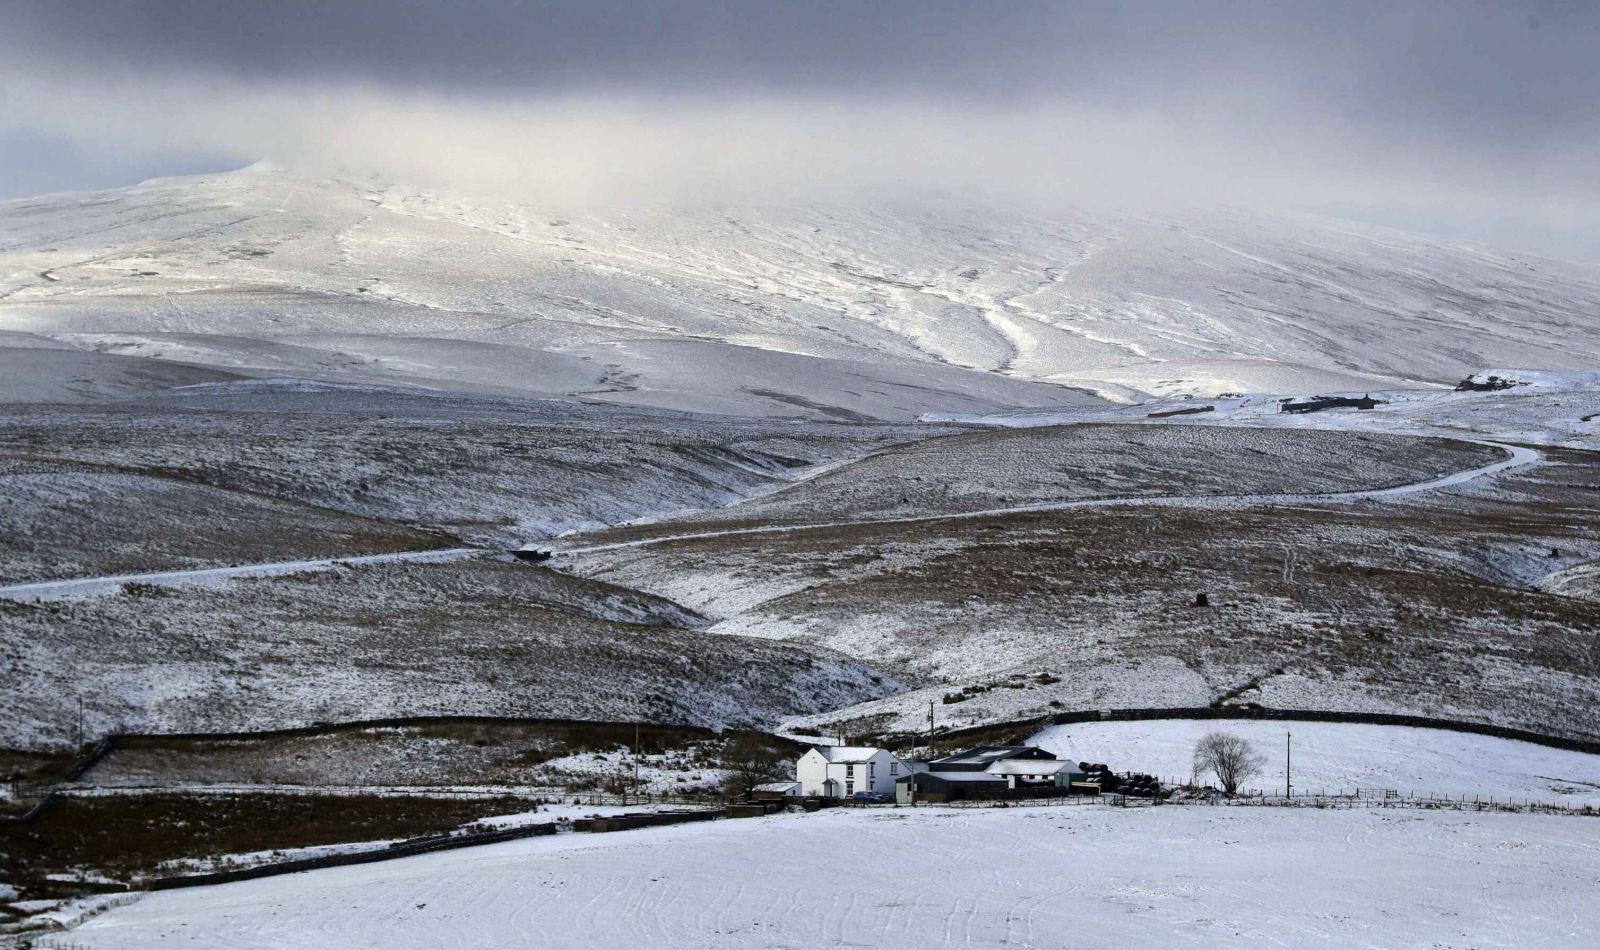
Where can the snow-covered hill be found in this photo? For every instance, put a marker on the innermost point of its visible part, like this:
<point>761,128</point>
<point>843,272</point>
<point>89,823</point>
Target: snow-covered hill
<point>885,311</point>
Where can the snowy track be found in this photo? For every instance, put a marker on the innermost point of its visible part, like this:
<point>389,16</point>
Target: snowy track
<point>1516,457</point>
<point>1034,877</point>
<point>1573,578</point>
<point>97,586</point>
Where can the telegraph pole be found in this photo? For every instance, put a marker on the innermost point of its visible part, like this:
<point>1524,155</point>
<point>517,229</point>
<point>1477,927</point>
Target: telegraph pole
<point>636,758</point>
<point>1287,756</point>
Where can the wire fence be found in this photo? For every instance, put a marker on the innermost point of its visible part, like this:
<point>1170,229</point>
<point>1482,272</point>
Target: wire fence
<point>1020,728</point>
<point>1306,798</point>
<point>1393,798</point>
<point>1027,802</point>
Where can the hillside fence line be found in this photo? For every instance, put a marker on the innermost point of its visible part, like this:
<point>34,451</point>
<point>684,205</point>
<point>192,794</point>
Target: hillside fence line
<point>1321,798</point>
<point>401,849</point>
<point>537,794</point>
<point>1021,728</point>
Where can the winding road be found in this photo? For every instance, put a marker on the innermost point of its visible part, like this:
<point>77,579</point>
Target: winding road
<point>77,588</point>
<point>1516,457</point>
<point>81,587</point>
<point>1560,582</point>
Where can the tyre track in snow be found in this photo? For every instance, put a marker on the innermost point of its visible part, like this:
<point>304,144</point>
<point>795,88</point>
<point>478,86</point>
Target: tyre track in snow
<point>1516,457</point>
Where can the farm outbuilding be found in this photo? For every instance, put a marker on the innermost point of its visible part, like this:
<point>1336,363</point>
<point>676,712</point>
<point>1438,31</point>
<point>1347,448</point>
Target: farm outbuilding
<point>775,791</point>
<point>932,787</point>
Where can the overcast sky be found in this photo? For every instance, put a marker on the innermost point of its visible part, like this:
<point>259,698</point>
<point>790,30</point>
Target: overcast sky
<point>1467,117</point>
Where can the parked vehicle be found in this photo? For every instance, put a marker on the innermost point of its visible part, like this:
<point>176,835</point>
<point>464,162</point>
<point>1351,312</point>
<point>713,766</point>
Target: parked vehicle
<point>871,798</point>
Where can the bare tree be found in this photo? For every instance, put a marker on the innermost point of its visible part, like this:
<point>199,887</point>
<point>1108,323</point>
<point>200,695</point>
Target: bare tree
<point>750,762</point>
<point>1228,757</point>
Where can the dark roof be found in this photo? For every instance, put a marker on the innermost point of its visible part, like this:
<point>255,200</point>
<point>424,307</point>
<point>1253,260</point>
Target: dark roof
<point>981,757</point>
<point>934,778</point>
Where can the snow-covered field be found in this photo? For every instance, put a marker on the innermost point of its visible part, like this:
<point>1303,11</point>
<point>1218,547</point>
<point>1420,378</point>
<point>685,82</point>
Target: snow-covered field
<point>1340,758</point>
<point>1059,876</point>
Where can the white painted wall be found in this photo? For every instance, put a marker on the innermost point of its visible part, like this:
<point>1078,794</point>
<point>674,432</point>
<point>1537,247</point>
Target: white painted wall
<point>875,774</point>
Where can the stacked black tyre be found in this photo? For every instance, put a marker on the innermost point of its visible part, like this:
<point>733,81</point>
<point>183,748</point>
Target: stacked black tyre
<point>1137,784</point>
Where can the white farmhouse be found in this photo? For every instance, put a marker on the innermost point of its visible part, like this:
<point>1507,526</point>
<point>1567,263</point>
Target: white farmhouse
<point>842,771</point>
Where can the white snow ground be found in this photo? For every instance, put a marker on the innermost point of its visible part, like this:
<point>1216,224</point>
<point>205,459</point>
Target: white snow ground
<point>1054,876</point>
<point>1342,757</point>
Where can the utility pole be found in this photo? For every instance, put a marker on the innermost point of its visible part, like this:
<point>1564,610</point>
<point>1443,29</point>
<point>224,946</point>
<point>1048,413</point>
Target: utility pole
<point>80,722</point>
<point>1287,756</point>
<point>930,729</point>
<point>636,758</point>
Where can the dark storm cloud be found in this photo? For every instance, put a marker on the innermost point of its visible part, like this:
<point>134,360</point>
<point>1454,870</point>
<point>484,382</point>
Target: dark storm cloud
<point>1524,67</point>
<point>1406,108</point>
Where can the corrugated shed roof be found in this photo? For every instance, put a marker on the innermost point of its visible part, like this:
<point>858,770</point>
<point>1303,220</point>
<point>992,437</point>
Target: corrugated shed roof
<point>988,753</point>
<point>1029,767</point>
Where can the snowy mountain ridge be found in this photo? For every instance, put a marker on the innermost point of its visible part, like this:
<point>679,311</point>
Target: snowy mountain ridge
<point>884,311</point>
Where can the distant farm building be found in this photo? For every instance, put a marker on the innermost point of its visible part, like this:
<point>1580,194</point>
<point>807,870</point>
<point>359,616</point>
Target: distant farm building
<point>842,771</point>
<point>986,770</point>
<point>775,791</point>
<point>934,787</point>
